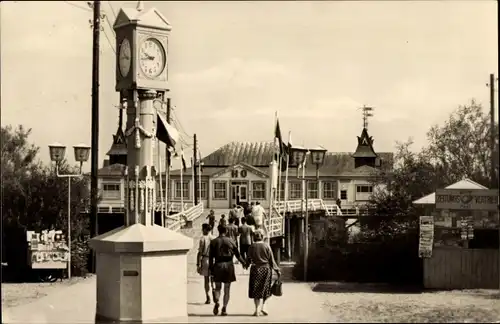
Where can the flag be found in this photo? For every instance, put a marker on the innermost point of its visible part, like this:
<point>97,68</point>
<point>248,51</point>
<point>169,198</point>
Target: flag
<point>288,149</point>
<point>184,168</point>
<point>277,134</point>
<point>166,133</point>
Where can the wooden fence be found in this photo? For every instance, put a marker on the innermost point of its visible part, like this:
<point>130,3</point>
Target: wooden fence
<point>452,268</point>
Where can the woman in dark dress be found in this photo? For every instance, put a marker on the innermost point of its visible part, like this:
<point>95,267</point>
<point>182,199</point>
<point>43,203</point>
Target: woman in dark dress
<point>222,251</point>
<point>260,256</point>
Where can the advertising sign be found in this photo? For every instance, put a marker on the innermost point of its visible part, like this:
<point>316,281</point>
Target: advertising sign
<point>426,239</point>
<point>48,250</point>
<point>465,199</point>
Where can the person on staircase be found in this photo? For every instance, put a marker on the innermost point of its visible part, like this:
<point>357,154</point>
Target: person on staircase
<point>222,251</point>
<point>259,216</point>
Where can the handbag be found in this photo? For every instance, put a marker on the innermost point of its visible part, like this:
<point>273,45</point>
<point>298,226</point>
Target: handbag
<point>276,288</point>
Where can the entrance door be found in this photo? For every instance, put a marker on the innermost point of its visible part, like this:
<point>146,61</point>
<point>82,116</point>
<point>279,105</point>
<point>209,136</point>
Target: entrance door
<point>243,190</point>
<point>234,196</point>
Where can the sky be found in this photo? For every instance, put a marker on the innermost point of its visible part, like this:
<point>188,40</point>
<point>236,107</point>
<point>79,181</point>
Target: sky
<point>232,65</point>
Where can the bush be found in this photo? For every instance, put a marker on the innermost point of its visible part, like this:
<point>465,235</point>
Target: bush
<point>383,256</point>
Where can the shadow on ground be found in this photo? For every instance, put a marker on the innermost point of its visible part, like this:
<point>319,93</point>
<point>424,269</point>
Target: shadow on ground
<point>350,287</point>
<point>211,315</point>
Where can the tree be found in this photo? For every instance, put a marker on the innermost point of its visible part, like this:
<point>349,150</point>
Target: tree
<point>457,149</point>
<point>34,198</point>
<point>460,148</point>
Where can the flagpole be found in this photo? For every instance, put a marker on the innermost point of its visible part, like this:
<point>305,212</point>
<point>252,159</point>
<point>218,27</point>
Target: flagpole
<point>182,181</point>
<point>199,176</point>
<point>287,165</point>
<point>193,178</point>
<point>161,186</point>
<point>271,195</point>
<point>279,178</point>
<point>287,230</point>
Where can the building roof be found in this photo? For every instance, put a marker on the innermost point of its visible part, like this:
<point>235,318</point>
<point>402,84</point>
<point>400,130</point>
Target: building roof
<point>113,170</point>
<point>260,154</point>
<point>468,184</point>
<point>253,153</point>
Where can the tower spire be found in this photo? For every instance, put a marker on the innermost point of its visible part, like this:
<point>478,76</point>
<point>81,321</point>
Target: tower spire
<point>367,112</point>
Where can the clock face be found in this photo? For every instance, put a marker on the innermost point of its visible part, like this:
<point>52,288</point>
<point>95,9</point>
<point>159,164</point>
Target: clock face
<point>125,57</point>
<point>152,58</point>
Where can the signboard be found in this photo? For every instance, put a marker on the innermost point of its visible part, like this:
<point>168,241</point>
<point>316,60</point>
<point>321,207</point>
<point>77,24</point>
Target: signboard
<point>465,199</point>
<point>48,250</point>
<point>467,228</point>
<point>426,239</point>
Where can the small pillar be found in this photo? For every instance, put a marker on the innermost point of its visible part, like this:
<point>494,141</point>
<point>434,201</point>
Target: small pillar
<point>141,274</point>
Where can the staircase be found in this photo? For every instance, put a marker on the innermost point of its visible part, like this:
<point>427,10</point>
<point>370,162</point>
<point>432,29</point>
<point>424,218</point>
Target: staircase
<point>177,221</point>
<point>293,206</point>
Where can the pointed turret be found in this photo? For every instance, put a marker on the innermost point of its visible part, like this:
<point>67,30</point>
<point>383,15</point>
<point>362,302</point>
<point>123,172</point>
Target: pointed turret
<point>365,154</point>
<point>118,151</point>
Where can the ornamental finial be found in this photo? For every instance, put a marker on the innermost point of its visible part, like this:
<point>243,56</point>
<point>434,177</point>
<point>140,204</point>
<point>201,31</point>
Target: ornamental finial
<point>140,5</point>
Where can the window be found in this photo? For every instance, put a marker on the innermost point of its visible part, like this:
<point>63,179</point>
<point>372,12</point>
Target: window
<point>220,190</point>
<point>203,190</point>
<point>111,191</point>
<point>295,190</point>
<point>185,190</point>
<point>343,194</point>
<point>259,190</point>
<point>364,189</point>
<point>312,190</point>
<point>329,190</point>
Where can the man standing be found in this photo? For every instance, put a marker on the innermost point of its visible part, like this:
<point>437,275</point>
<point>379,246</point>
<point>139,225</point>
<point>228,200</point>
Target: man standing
<point>232,231</point>
<point>233,213</point>
<point>245,238</point>
<point>202,264</point>
<point>222,220</point>
<point>248,214</point>
<point>211,220</point>
<point>222,251</point>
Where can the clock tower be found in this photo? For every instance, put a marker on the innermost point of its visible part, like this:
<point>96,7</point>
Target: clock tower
<point>141,77</point>
<point>128,258</point>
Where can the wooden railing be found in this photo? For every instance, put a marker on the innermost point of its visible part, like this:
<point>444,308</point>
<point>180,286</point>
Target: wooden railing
<point>282,207</point>
<point>275,226</point>
<point>174,206</point>
<point>176,221</point>
<point>331,209</point>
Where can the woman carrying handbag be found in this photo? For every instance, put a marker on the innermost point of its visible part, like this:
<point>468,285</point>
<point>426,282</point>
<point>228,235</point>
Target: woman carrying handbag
<point>261,258</point>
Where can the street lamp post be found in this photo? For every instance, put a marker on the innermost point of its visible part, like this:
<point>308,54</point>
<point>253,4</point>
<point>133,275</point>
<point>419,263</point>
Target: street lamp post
<point>299,155</point>
<point>57,152</point>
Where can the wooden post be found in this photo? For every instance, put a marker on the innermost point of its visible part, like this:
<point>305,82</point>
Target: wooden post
<point>94,164</point>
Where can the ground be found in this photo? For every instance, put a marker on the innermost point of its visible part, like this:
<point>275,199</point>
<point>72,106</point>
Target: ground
<point>359,303</point>
<point>301,302</point>
<point>15,294</point>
